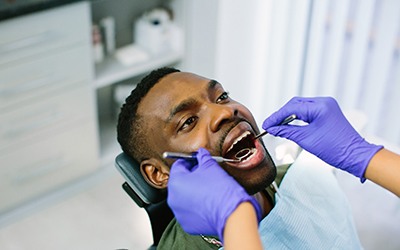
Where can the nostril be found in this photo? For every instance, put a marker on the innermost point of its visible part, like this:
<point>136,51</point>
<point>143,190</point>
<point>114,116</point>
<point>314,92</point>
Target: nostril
<point>236,112</point>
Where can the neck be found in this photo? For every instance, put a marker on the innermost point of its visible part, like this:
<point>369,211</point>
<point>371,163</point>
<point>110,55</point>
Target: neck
<point>265,203</point>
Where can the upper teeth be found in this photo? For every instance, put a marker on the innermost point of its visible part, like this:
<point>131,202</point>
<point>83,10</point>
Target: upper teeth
<point>238,139</point>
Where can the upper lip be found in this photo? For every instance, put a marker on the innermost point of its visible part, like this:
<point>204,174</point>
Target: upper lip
<point>234,134</point>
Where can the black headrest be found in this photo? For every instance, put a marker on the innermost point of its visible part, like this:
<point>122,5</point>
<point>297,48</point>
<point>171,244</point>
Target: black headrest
<point>130,170</point>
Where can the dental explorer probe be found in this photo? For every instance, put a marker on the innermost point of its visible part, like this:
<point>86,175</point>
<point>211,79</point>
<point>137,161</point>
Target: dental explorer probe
<point>287,120</point>
<point>176,155</point>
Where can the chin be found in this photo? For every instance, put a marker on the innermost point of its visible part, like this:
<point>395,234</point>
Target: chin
<point>256,179</point>
<point>256,170</point>
<point>260,182</point>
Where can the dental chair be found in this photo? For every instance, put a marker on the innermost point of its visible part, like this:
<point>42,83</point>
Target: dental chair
<point>145,196</point>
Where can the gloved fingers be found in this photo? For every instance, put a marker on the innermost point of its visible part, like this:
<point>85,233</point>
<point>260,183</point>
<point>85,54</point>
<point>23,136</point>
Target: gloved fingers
<point>204,158</point>
<point>297,105</point>
<point>179,174</point>
<point>182,166</point>
<point>291,132</point>
<point>306,109</point>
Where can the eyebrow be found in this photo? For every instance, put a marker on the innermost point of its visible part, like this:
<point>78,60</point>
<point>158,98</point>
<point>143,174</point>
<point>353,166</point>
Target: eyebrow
<point>212,84</point>
<point>190,102</point>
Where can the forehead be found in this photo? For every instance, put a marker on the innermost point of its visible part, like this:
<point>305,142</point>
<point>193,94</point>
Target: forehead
<point>169,91</point>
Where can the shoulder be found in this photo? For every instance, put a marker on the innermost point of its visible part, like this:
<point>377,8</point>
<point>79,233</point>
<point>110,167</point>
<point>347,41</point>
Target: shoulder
<point>281,172</point>
<point>175,238</point>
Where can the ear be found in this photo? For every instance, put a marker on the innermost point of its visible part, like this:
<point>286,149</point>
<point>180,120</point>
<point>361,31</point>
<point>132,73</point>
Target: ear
<point>155,172</point>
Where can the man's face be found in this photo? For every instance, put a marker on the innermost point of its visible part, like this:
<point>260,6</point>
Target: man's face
<point>184,112</point>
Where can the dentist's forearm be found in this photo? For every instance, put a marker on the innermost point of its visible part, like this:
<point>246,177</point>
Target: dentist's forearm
<point>241,229</point>
<point>384,170</point>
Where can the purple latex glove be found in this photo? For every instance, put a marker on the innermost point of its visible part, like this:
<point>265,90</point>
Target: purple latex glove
<point>328,134</point>
<point>202,195</point>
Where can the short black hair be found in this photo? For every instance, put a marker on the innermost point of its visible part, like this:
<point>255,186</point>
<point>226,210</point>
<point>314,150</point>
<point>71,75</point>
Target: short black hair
<point>130,126</point>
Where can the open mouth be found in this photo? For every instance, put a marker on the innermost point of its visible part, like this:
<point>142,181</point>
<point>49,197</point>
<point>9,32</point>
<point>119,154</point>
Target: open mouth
<point>243,148</point>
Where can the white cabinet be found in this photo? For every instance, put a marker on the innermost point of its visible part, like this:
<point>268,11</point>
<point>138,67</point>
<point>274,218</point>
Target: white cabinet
<point>52,133</point>
<point>111,72</point>
<point>48,121</point>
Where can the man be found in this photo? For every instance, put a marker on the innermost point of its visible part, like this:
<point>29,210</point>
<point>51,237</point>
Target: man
<point>182,112</point>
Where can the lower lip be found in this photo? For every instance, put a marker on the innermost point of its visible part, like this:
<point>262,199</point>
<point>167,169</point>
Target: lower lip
<point>254,159</point>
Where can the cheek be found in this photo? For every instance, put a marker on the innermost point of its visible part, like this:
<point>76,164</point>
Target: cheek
<point>190,142</point>
<point>255,180</point>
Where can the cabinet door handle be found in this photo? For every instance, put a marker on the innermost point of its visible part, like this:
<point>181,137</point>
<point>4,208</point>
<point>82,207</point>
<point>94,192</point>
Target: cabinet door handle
<point>44,37</point>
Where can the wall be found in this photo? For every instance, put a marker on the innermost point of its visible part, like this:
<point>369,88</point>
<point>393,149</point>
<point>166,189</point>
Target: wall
<point>268,51</point>
<point>241,50</point>
<point>201,36</point>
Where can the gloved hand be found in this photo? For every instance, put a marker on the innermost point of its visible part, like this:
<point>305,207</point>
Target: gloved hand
<point>328,134</point>
<point>202,195</point>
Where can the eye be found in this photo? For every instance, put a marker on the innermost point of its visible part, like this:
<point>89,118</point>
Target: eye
<point>223,98</point>
<point>188,122</point>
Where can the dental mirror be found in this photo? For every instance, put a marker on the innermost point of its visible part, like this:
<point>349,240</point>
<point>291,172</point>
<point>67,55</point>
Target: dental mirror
<point>242,154</point>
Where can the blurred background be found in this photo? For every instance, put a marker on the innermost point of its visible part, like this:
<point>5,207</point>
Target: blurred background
<point>67,66</point>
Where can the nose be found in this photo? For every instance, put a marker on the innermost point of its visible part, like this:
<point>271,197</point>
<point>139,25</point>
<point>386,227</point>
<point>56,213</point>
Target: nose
<point>220,115</point>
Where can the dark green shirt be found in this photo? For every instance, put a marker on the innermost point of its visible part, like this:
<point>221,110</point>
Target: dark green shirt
<point>175,238</point>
